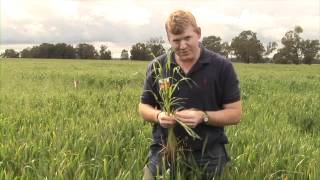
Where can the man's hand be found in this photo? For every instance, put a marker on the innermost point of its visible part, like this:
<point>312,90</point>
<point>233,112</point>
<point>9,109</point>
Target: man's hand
<point>166,120</point>
<point>190,117</point>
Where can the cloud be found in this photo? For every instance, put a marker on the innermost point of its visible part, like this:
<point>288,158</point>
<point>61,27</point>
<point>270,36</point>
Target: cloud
<point>128,22</point>
<point>87,21</point>
<point>115,12</point>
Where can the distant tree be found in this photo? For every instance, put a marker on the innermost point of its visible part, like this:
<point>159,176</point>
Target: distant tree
<point>309,50</point>
<point>86,51</point>
<point>26,53</point>
<point>291,50</point>
<point>280,58</point>
<point>247,48</point>
<point>317,58</point>
<point>69,52</point>
<point>213,43</point>
<point>35,52</point>
<point>124,54</point>
<point>271,46</point>
<point>46,50</point>
<point>58,51</point>
<point>63,51</point>
<point>10,53</point>
<point>104,52</point>
<point>140,51</point>
<point>226,49</point>
<point>155,45</point>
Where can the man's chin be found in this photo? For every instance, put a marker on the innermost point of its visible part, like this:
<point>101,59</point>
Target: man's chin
<point>185,58</point>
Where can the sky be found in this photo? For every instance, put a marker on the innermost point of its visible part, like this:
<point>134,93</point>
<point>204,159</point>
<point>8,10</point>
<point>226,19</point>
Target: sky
<point>121,23</point>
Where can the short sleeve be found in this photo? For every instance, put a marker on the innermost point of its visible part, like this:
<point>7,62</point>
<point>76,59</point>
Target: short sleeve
<point>230,84</point>
<point>149,88</point>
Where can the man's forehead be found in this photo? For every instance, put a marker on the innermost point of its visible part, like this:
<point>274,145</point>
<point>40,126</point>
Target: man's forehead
<point>187,31</point>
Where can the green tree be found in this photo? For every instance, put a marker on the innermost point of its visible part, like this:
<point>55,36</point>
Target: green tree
<point>86,51</point>
<point>155,45</point>
<point>247,48</point>
<point>105,53</point>
<point>291,50</point>
<point>213,43</point>
<point>226,49</point>
<point>63,51</point>
<point>10,53</point>
<point>26,53</point>
<point>45,50</point>
<point>58,51</point>
<point>124,54</point>
<point>309,49</point>
<point>317,58</point>
<point>69,52</point>
<point>140,51</point>
<point>271,46</point>
<point>35,52</point>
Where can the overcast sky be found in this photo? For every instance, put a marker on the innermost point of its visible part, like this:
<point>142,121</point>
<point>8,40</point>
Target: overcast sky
<point>119,24</point>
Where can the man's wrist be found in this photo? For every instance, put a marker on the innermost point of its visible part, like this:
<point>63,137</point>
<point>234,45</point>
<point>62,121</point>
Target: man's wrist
<point>205,117</point>
<point>157,117</point>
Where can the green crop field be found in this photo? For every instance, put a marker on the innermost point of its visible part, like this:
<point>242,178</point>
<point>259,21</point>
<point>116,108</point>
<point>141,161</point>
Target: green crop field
<point>51,130</point>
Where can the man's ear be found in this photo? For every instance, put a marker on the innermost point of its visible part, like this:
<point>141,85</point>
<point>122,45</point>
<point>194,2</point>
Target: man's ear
<point>199,32</point>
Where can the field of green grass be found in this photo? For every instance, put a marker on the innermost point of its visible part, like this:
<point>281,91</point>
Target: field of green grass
<point>51,130</point>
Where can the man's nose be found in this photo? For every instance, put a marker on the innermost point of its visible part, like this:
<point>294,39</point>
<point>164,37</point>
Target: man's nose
<point>183,44</point>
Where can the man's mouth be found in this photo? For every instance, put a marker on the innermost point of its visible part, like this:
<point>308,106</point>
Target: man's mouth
<point>184,53</point>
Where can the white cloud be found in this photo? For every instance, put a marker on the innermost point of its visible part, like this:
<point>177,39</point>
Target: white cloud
<point>121,12</point>
<point>14,11</point>
<point>128,21</point>
<point>65,9</point>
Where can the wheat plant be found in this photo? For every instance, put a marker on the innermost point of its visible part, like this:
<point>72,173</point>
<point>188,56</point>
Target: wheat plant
<point>168,84</point>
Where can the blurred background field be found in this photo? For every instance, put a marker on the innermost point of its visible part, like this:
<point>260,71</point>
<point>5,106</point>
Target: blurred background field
<point>50,129</point>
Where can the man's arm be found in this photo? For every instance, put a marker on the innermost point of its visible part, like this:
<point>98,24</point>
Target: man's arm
<point>231,114</point>
<point>148,112</point>
<point>151,114</point>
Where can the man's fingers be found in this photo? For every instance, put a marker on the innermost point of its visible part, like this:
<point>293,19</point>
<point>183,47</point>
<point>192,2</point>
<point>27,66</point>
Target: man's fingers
<point>166,121</point>
<point>186,120</point>
<point>183,115</point>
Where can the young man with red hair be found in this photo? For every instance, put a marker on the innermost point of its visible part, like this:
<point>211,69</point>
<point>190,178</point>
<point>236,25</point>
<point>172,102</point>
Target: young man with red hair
<point>211,104</point>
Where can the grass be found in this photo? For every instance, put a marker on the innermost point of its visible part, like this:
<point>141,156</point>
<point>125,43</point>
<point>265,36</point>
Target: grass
<point>51,130</point>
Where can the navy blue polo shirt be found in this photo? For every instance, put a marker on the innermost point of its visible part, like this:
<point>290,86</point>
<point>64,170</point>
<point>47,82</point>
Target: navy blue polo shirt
<point>214,83</point>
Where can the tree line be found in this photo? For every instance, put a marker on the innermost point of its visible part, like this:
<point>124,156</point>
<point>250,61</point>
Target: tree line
<point>245,47</point>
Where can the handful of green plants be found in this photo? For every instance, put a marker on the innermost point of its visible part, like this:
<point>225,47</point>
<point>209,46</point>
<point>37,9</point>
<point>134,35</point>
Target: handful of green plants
<point>167,86</point>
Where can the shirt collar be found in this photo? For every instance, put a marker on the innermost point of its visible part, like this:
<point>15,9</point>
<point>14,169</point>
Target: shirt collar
<point>204,57</point>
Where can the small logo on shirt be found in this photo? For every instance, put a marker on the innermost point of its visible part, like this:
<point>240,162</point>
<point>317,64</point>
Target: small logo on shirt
<point>204,82</point>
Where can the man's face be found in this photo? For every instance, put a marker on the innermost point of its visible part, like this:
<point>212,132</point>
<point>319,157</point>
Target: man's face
<point>186,44</point>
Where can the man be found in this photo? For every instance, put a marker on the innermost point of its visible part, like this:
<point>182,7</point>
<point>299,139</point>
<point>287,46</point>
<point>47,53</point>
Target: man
<point>208,106</point>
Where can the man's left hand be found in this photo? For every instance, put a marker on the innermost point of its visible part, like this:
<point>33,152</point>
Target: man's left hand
<point>190,117</point>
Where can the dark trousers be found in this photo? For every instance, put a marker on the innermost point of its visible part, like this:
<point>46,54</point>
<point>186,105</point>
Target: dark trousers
<point>191,164</point>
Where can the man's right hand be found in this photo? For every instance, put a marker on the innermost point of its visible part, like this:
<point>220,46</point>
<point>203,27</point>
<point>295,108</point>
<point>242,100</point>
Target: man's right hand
<point>166,120</point>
